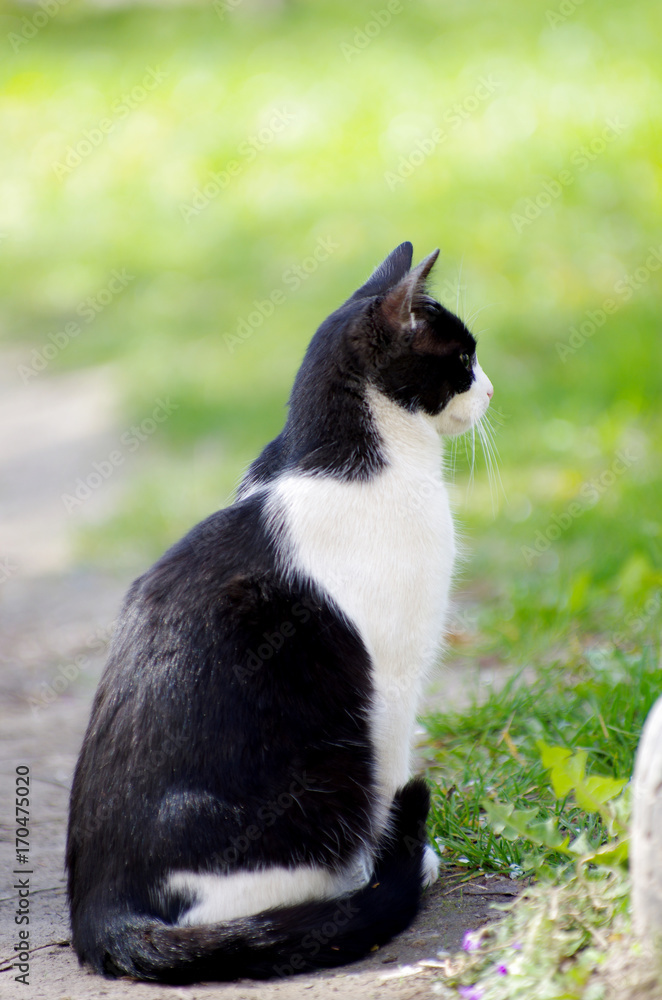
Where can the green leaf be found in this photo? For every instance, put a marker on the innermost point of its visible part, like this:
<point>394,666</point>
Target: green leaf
<point>551,756</point>
<point>513,824</point>
<point>569,774</point>
<point>611,855</point>
<point>594,791</point>
<point>582,846</point>
<point>506,820</point>
<point>547,833</point>
<point>566,769</point>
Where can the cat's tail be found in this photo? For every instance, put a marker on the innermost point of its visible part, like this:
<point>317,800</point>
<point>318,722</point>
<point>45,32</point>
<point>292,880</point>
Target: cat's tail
<point>286,940</point>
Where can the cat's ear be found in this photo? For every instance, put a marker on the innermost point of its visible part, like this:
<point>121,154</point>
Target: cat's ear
<point>389,272</point>
<point>402,302</point>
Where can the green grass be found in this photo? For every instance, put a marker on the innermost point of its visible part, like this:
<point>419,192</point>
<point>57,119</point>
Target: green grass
<point>491,751</point>
<point>569,934</point>
<point>562,573</point>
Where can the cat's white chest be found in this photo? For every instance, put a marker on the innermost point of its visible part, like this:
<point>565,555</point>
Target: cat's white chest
<point>383,550</point>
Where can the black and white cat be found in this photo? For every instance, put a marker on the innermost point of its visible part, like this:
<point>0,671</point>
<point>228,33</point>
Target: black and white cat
<point>243,803</point>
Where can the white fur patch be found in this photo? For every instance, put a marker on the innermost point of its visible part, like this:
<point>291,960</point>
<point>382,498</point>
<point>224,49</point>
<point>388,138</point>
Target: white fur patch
<point>465,410</point>
<point>383,550</point>
<point>226,897</point>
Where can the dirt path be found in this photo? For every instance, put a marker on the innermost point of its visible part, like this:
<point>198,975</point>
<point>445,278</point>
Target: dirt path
<point>55,621</point>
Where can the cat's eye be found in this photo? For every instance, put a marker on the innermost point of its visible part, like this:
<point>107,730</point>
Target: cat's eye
<point>467,361</point>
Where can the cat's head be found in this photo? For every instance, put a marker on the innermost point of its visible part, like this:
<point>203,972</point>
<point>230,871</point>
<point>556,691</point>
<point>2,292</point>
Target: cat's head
<point>412,349</point>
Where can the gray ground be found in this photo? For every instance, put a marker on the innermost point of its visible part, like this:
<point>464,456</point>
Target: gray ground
<point>51,613</point>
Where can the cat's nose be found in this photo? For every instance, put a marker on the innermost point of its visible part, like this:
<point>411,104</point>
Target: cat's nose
<point>490,392</point>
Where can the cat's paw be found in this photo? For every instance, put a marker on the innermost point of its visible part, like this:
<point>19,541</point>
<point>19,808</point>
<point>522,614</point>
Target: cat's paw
<point>430,866</point>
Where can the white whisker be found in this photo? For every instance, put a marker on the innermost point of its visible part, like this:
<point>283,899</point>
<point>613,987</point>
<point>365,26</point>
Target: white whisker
<point>459,287</point>
<point>491,452</point>
<point>494,415</point>
<point>451,464</point>
<point>466,448</point>
<point>475,313</point>
<point>473,451</point>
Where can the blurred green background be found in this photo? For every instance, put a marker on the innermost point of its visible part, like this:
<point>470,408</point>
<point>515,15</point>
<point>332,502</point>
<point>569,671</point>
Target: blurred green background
<point>192,188</point>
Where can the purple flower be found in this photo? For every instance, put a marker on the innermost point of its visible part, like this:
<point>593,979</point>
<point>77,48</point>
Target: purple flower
<point>470,941</point>
<point>471,992</point>
<point>517,946</point>
<point>502,970</point>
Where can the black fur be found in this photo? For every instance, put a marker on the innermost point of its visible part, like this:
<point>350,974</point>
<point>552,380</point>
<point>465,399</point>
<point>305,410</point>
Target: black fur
<point>291,939</point>
<point>329,428</point>
<point>230,730</point>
